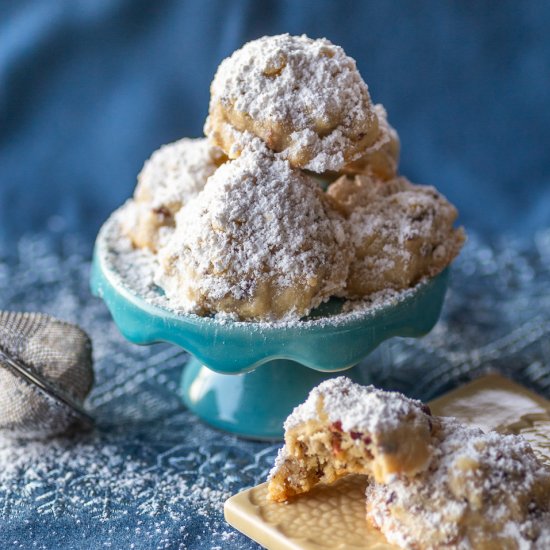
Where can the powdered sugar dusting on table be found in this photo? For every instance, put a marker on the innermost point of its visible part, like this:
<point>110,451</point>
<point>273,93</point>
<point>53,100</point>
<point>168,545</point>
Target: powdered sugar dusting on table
<point>151,475</point>
<point>99,480</point>
<point>356,407</point>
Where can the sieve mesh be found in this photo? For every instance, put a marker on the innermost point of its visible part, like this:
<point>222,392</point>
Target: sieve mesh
<point>58,356</point>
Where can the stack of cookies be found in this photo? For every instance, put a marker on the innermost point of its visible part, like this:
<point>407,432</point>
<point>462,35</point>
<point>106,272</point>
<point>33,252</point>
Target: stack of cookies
<point>293,197</point>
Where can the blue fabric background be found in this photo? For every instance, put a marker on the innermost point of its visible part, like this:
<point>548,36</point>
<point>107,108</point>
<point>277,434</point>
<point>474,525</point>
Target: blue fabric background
<point>89,88</point>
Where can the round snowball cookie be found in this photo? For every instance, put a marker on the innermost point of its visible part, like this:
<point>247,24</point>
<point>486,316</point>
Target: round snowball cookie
<point>380,160</point>
<point>260,243</point>
<point>481,490</point>
<point>173,175</point>
<point>304,98</point>
<point>400,232</point>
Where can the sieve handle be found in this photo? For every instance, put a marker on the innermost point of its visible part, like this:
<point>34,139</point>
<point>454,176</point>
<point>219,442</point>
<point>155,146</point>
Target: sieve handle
<point>61,397</point>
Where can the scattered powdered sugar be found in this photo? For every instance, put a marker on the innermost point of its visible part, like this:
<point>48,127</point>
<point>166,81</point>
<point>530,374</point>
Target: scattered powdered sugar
<point>132,268</point>
<point>177,172</point>
<point>489,475</point>
<point>151,475</point>
<point>356,407</point>
<point>100,481</point>
<point>383,298</point>
<point>311,88</point>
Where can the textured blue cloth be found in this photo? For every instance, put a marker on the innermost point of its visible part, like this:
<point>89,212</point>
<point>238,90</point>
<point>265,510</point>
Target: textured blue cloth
<point>89,88</point>
<point>152,475</point>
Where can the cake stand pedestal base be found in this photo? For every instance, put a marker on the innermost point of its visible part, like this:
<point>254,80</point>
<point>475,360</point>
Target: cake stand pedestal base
<point>255,404</point>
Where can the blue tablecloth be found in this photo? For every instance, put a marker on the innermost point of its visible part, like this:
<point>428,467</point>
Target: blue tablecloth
<point>89,88</point>
<point>152,475</point>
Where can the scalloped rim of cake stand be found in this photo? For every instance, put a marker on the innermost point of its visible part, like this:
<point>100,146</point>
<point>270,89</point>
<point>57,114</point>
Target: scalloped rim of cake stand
<point>329,344</point>
<point>222,384</point>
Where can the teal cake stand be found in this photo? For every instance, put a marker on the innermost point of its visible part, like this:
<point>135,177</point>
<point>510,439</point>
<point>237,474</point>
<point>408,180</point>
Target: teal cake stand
<point>246,377</point>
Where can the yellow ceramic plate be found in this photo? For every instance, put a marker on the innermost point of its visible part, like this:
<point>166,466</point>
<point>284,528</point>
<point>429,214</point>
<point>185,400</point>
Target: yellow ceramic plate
<point>334,516</point>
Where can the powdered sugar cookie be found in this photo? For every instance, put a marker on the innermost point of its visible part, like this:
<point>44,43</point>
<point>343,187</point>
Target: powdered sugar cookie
<point>380,160</point>
<point>344,428</point>
<point>482,491</point>
<point>400,232</point>
<point>169,179</point>
<point>304,98</point>
<point>260,242</point>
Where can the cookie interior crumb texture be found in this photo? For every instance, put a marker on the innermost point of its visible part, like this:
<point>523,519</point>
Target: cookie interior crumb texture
<point>344,428</point>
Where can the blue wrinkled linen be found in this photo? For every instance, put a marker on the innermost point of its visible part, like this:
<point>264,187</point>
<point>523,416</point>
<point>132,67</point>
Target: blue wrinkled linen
<point>152,475</point>
<point>89,88</point>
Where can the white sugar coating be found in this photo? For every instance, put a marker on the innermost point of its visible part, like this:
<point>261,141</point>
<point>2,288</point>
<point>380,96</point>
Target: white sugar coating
<point>473,477</point>
<point>400,232</point>
<point>147,227</point>
<point>173,175</point>
<point>381,159</point>
<point>310,88</point>
<point>134,270</point>
<point>301,63</point>
<point>177,172</point>
<point>383,297</point>
<point>389,218</point>
<point>397,211</point>
<point>259,226</point>
<point>389,138</point>
<point>356,407</point>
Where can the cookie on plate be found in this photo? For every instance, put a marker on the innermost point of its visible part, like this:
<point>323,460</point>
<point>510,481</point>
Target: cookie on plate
<point>344,428</point>
<point>481,490</point>
<point>400,232</point>
<point>261,242</point>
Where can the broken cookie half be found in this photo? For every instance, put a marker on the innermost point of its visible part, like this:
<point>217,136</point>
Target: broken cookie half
<point>345,428</point>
